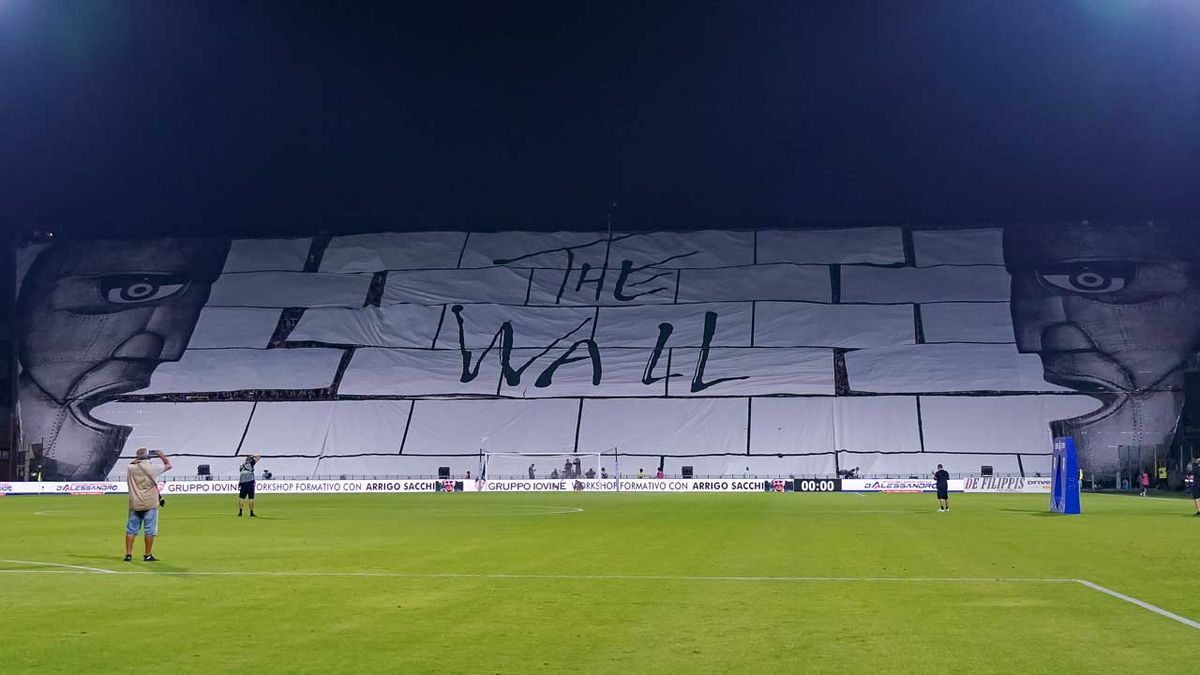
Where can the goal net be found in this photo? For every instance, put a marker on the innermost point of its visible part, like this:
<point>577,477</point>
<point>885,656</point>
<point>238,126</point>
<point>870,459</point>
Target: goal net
<point>543,466</point>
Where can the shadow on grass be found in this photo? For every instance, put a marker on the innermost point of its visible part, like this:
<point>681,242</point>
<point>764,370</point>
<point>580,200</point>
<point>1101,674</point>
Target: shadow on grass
<point>1037,513</point>
<point>136,565</point>
<point>161,567</point>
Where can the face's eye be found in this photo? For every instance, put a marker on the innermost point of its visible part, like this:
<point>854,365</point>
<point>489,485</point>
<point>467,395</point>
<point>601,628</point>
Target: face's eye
<point>132,289</point>
<point>1090,278</point>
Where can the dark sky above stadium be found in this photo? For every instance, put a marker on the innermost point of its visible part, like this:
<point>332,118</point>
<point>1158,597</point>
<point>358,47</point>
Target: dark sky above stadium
<point>257,117</point>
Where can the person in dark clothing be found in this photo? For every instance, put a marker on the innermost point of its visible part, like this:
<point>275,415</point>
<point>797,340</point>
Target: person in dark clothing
<point>246,482</point>
<point>532,469</point>
<point>1196,486</point>
<point>942,477</point>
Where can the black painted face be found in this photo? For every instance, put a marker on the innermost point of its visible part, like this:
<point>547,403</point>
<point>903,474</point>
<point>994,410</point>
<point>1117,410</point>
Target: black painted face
<point>1101,310</point>
<point>1113,312</point>
<point>94,321</point>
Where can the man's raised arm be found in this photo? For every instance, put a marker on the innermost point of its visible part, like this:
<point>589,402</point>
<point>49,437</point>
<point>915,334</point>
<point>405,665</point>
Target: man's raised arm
<point>166,462</point>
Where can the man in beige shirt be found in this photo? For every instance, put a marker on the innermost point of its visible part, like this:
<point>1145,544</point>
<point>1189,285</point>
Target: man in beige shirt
<point>142,478</point>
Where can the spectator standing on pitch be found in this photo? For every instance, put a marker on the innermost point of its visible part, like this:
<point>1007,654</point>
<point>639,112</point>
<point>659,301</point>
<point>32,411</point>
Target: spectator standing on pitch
<point>943,488</point>
<point>1196,485</point>
<point>1144,479</point>
<point>142,478</point>
<point>246,484</point>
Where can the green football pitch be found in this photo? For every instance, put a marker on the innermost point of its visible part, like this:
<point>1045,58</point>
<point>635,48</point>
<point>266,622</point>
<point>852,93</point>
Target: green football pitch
<point>610,583</point>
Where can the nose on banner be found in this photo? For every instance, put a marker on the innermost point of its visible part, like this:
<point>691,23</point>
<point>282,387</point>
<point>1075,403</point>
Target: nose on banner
<point>140,346</point>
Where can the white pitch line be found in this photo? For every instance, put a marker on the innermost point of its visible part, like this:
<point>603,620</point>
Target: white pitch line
<point>1140,603</point>
<point>617,577</point>
<point>84,568</point>
<point>562,577</point>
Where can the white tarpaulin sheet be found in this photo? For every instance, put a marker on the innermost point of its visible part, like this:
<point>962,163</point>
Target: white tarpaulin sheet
<point>743,371</point>
<point>704,248</point>
<point>535,249</point>
<point>967,322</point>
<point>922,465</point>
<point>289,289</point>
<point>793,426</point>
<point>997,423</point>
<point>418,372</point>
<point>267,255</point>
<point>225,327</point>
<point>945,368</point>
<point>394,326</point>
<point>876,424</point>
<point>601,286</point>
<point>207,370</point>
<point>531,326</point>
<point>875,245</point>
<point>187,428</point>
<point>393,251</point>
<point>983,246</point>
<point>742,466</point>
<point>787,324</point>
<point>429,287</point>
<point>664,426</point>
<point>453,427</point>
<point>924,284</point>
<point>397,465</point>
<point>639,326</point>
<point>327,428</point>
<point>757,282</point>
<point>620,373</point>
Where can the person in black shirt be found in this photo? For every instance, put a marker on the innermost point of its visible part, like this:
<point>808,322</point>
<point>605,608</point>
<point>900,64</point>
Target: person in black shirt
<point>1196,485</point>
<point>943,488</point>
<point>246,484</point>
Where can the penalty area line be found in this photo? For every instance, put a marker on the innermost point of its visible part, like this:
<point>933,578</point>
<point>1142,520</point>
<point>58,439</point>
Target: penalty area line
<point>76,569</point>
<point>1140,603</point>
<point>79,568</point>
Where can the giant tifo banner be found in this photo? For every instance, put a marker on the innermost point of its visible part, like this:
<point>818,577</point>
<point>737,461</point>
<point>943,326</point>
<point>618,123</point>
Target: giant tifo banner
<point>738,353</point>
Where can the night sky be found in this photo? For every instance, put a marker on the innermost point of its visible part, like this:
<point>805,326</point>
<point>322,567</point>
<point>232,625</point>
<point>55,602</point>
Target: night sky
<point>139,117</point>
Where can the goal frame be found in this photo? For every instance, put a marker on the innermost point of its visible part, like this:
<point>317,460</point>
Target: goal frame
<point>588,460</point>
